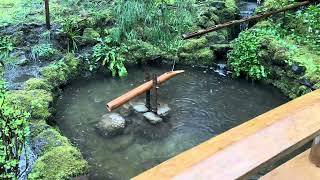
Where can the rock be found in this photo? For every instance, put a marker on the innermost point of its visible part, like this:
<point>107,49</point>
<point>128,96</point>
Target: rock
<point>298,70</point>
<point>152,118</point>
<point>111,124</point>
<point>121,142</point>
<point>90,36</point>
<point>19,58</point>
<point>163,110</point>
<point>22,61</point>
<point>139,107</point>
<point>125,110</point>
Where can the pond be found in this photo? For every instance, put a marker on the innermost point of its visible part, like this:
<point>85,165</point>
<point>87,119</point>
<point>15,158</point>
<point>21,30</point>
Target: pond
<point>203,105</point>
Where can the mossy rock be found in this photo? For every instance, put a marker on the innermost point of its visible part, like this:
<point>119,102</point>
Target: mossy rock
<point>47,140</point>
<point>63,162</point>
<point>56,74</point>
<point>290,87</point>
<point>202,57</point>
<point>140,51</point>
<point>36,102</point>
<point>60,72</point>
<point>89,36</point>
<point>194,44</point>
<point>38,83</point>
<point>37,126</point>
<point>217,37</point>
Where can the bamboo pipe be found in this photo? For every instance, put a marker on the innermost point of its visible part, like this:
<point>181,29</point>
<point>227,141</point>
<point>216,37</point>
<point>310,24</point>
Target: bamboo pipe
<point>114,104</point>
<point>255,17</point>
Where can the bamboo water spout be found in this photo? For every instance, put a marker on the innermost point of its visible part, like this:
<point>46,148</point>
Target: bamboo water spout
<point>114,104</point>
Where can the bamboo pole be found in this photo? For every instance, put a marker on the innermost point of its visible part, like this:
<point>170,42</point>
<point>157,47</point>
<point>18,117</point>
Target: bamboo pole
<point>255,17</point>
<point>140,90</point>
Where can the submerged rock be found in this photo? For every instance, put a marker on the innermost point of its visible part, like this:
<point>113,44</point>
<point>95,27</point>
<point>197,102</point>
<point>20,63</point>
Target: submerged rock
<point>125,110</point>
<point>163,110</point>
<point>152,117</point>
<point>111,124</point>
<point>139,107</point>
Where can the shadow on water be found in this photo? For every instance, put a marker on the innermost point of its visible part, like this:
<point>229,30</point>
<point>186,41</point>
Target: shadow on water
<point>203,105</point>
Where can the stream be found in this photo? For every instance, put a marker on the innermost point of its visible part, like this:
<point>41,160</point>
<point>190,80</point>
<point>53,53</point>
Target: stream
<point>203,105</point>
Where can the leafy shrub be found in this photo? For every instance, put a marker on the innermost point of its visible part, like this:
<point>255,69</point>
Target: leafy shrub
<point>6,46</point>
<point>110,56</point>
<point>13,131</point>
<point>244,57</point>
<point>308,31</point>
<point>72,31</point>
<point>43,51</point>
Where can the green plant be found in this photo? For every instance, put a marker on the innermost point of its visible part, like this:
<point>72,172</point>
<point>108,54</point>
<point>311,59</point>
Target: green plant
<point>43,51</point>
<point>244,57</point>
<point>13,131</point>
<point>6,46</point>
<point>72,31</point>
<point>308,31</point>
<point>111,56</point>
<point>159,22</point>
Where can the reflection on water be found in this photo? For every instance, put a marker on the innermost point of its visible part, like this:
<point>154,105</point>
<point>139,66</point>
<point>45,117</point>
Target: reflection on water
<point>203,104</point>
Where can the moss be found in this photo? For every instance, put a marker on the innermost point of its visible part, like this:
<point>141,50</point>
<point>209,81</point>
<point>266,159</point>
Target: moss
<point>47,140</point>
<point>56,74</point>
<point>311,62</point>
<point>37,102</point>
<point>288,86</point>
<point>60,72</point>
<point>205,55</point>
<point>202,57</point>
<point>140,51</point>
<point>90,36</point>
<point>37,83</point>
<point>73,63</point>
<point>37,126</point>
<point>63,162</point>
<point>317,86</point>
<point>194,44</point>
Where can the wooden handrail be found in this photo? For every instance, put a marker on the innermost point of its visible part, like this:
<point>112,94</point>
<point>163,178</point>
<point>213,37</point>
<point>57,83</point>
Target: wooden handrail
<point>244,149</point>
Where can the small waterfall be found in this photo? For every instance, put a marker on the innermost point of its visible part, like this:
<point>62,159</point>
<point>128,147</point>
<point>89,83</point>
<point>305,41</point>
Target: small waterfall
<point>221,69</point>
<point>247,9</point>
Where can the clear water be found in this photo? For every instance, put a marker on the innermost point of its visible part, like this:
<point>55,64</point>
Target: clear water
<point>204,105</point>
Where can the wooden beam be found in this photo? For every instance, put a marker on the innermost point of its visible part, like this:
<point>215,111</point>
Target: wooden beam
<point>298,168</point>
<point>244,149</point>
<point>255,17</point>
<point>47,12</point>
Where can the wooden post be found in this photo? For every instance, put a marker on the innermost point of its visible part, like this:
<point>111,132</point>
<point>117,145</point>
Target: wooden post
<point>47,12</point>
<point>315,152</point>
<point>148,93</point>
<point>155,93</point>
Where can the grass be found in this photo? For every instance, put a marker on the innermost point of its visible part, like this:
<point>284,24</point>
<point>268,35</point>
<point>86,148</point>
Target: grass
<point>20,11</point>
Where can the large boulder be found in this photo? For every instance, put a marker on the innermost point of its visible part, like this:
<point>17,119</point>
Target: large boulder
<point>111,124</point>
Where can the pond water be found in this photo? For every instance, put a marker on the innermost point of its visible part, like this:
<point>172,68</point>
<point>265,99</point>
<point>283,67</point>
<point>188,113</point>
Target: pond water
<point>203,105</point>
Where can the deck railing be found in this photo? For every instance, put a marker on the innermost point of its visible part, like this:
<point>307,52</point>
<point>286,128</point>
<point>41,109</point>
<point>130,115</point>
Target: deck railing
<point>241,151</point>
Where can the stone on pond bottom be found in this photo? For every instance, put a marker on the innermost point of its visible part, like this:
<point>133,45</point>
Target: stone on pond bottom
<point>163,110</point>
<point>111,124</point>
<point>152,117</point>
<point>139,107</point>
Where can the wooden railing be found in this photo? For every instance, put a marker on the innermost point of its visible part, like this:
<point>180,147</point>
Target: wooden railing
<point>241,151</point>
